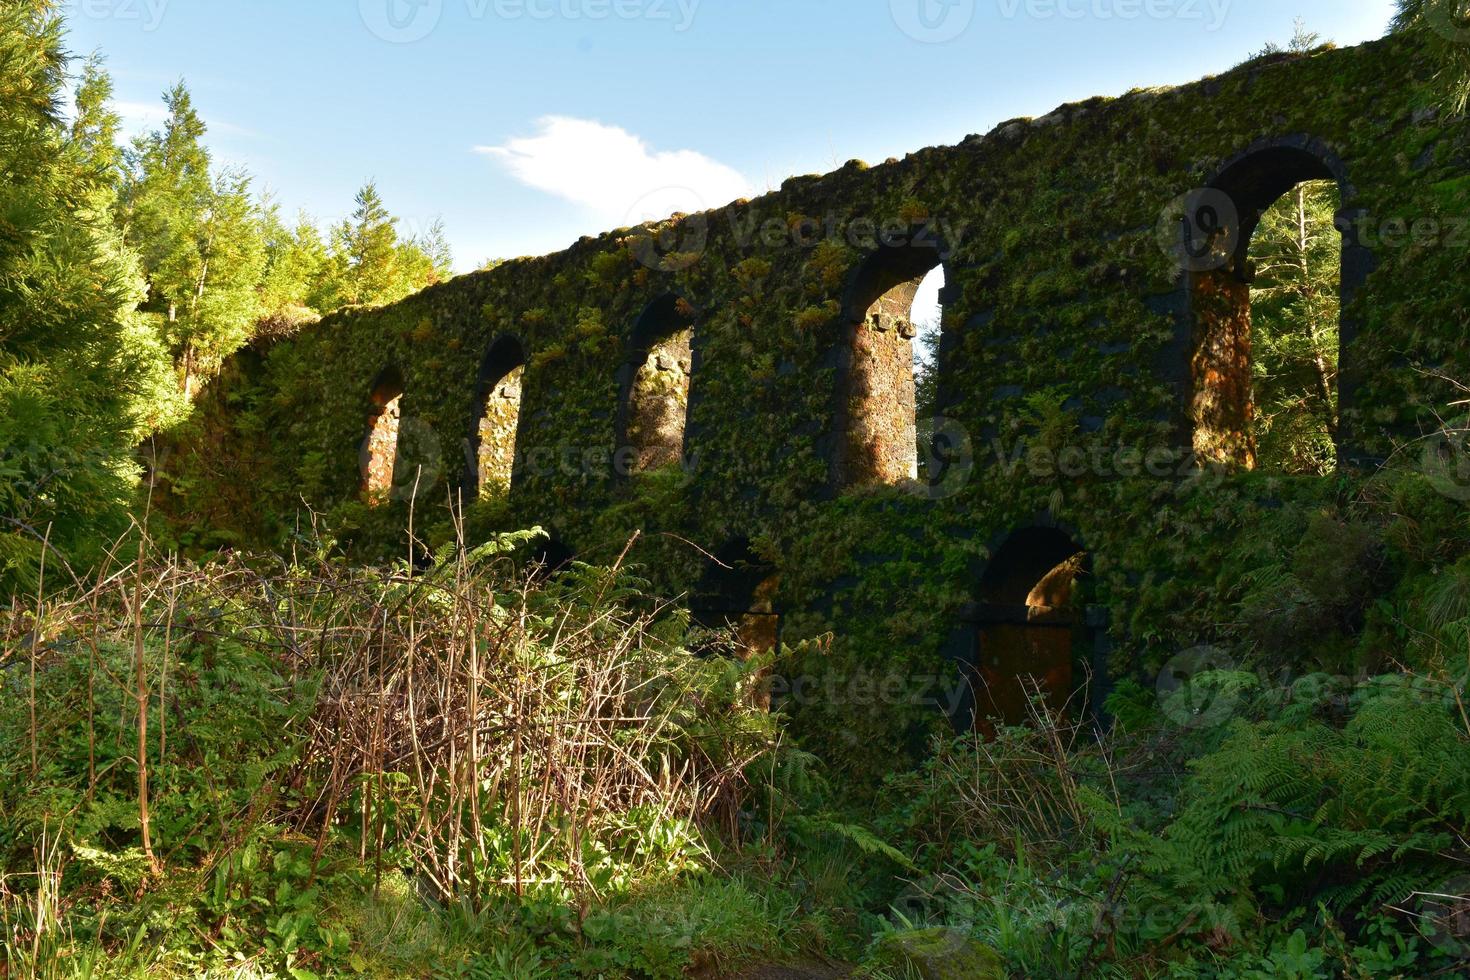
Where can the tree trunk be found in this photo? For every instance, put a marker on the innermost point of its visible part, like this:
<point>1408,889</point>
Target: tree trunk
<point>1309,291</point>
<point>140,695</point>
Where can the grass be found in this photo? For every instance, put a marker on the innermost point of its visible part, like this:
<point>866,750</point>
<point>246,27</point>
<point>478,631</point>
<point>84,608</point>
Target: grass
<point>468,769</point>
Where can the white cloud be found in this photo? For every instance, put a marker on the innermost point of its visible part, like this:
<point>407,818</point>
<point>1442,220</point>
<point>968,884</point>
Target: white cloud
<point>615,174</point>
<point>139,118</point>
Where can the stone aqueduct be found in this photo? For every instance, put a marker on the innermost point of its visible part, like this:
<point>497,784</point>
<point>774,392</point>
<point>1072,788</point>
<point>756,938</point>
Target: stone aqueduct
<point>741,380</point>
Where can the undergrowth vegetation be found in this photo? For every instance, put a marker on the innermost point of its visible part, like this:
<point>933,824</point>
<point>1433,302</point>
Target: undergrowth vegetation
<point>1321,838</point>
<point>316,768</point>
<point>466,766</point>
<point>286,761</point>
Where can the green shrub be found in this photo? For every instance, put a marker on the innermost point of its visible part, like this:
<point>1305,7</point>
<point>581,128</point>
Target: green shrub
<point>313,731</point>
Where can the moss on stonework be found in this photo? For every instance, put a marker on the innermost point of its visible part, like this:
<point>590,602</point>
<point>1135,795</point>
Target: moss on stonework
<point>1065,334</point>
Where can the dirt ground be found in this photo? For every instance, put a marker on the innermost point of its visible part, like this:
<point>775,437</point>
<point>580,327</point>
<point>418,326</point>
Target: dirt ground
<point>801,971</point>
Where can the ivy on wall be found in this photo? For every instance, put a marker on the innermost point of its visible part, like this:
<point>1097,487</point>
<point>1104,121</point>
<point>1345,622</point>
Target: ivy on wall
<point>1064,365</point>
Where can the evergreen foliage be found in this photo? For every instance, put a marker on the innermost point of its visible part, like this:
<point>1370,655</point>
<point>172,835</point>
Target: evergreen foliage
<point>372,264</point>
<point>459,766</point>
<point>1444,27</point>
<point>127,276</point>
<point>80,379</point>
<point>1295,309</point>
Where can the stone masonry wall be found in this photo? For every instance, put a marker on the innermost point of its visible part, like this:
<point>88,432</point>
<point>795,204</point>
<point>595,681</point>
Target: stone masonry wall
<point>1067,369</point>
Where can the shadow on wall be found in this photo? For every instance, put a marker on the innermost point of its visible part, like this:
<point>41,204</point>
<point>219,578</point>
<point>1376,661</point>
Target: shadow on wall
<point>877,397</point>
<point>379,454</point>
<point>495,433</point>
<point>737,592</point>
<point>1219,227</point>
<point>654,384</point>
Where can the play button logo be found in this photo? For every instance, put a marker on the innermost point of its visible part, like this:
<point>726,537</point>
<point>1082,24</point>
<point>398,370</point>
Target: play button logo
<point>401,21</point>
<point>933,21</point>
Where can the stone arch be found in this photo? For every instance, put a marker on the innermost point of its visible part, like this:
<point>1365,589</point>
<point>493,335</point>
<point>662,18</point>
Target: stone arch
<point>550,556</point>
<point>738,591</point>
<point>654,387</point>
<point>378,455</point>
<point>1220,409</point>
<point>1022,632</point>
<point>875,423</point>
<point>495,434</point>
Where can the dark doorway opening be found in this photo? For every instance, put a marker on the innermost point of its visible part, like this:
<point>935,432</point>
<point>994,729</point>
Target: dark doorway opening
<point>738,595</point>
<point>550,557</point>
<point>1027,628</point>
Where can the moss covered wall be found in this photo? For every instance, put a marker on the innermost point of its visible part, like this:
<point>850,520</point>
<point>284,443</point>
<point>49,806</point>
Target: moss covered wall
<point>1066,371</point>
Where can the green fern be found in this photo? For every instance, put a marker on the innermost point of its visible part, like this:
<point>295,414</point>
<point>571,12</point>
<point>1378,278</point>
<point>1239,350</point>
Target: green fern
<point>829,825</point>
<point>1354,818</point>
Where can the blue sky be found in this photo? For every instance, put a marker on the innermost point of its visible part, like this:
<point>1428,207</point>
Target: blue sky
<point>526,123</point>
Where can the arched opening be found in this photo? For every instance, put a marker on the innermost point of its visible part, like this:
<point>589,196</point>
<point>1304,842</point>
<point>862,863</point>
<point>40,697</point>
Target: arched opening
<point>737,593</point>
<point>550,556</point>
<point>890,345</point>
<point>927,316</point>
<point>1269,279</point>
<point>493,438</point>
<point>1025,627</point>
<point>379,454</point>
<point>653,409</point>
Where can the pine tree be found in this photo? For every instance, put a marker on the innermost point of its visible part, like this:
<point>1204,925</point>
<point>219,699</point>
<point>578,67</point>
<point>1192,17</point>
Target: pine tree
<point>435,247</point>
<point>371,265</point>
<point>1295,309</point>
<point>76,376</point>
<point>1443,26</point>
<point>165,190</point>
<point>296,268</point>
<point>94,129</point>
<point>926,369</point>
<point>201,240</point>
<point>366,248</point>
<point>1295,302</point>
<point>223,271</point>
